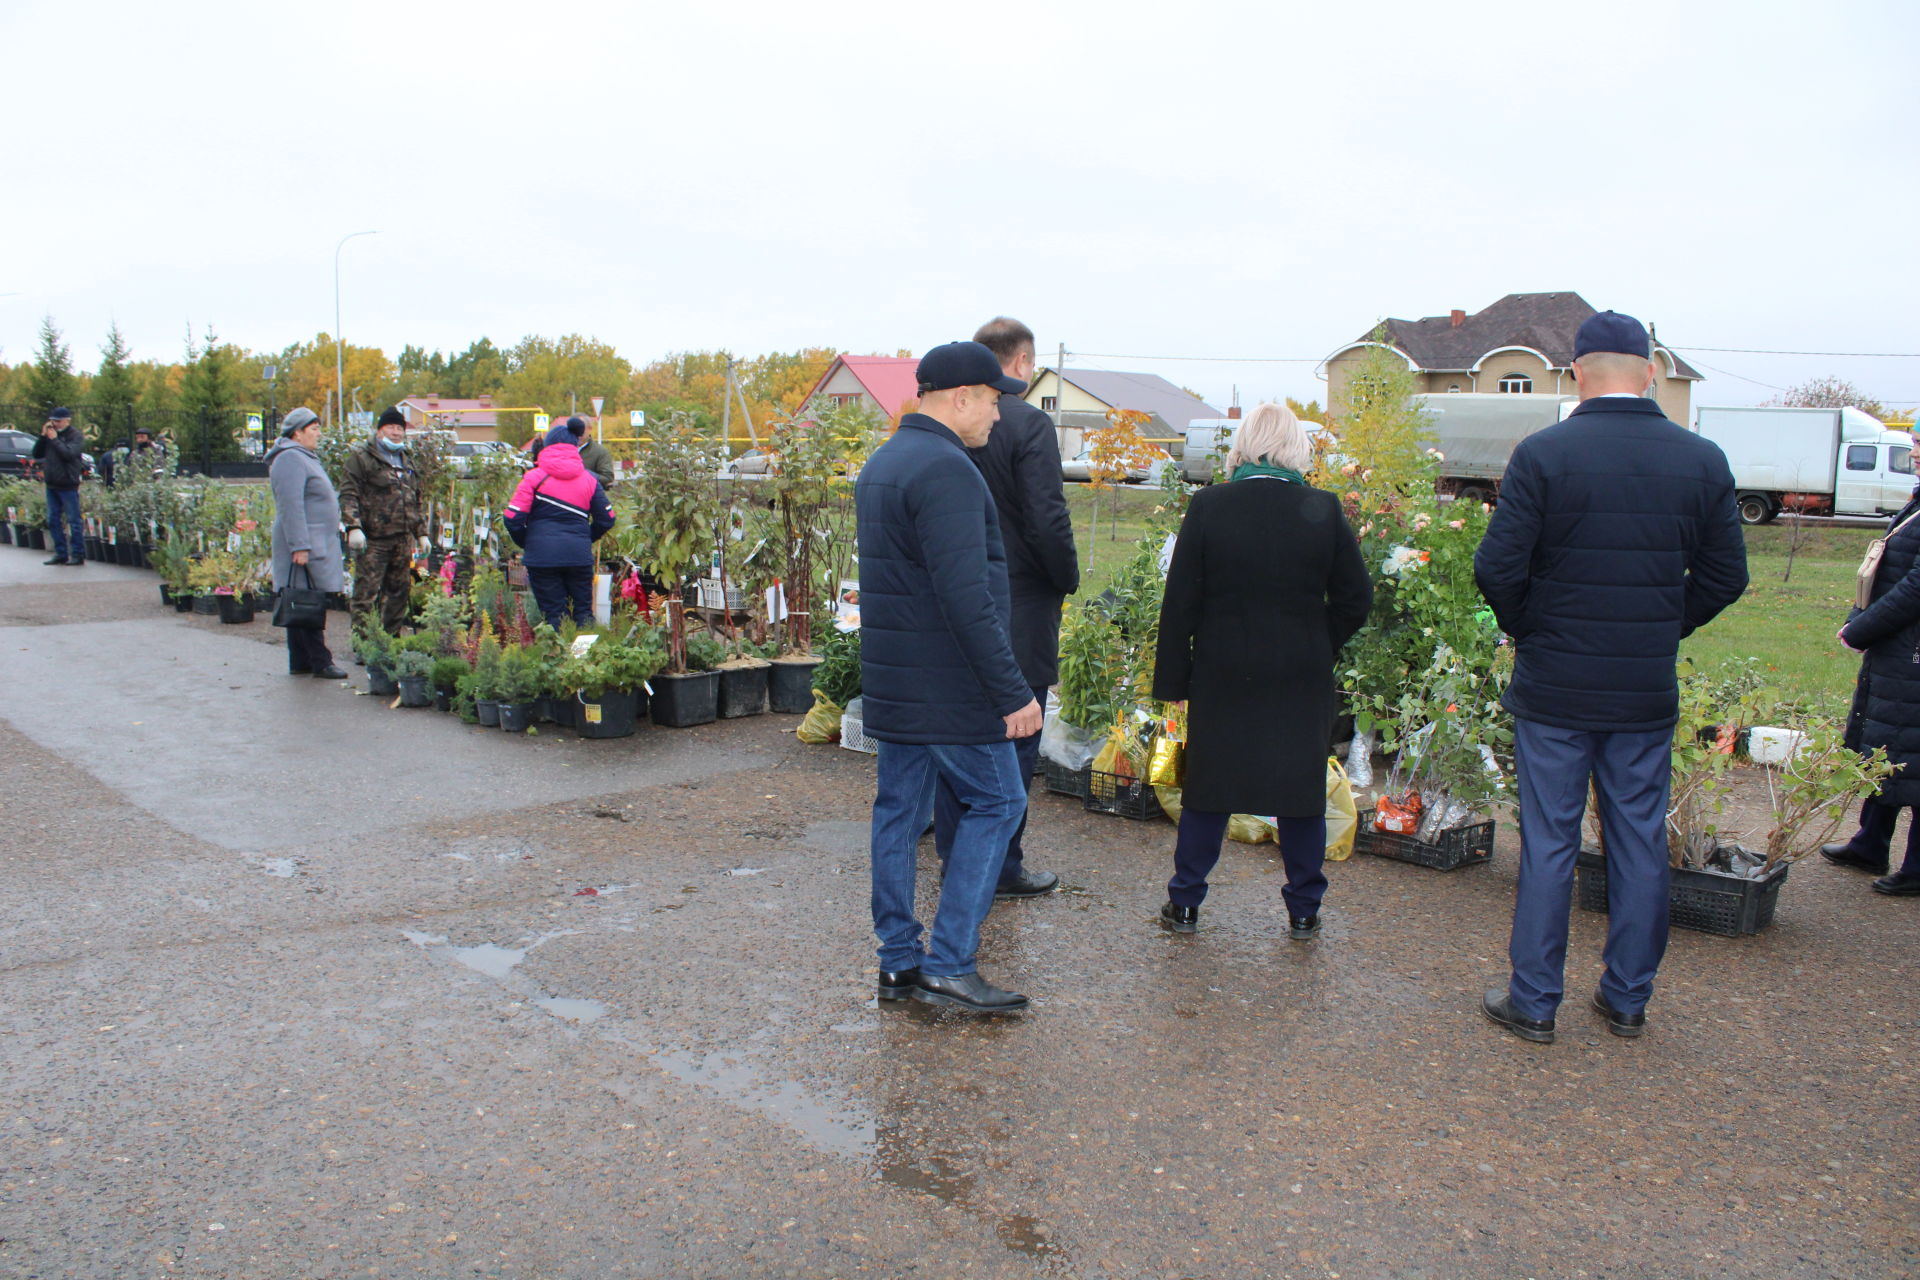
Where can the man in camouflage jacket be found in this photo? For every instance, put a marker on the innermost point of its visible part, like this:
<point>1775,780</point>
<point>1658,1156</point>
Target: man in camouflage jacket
<point>381,505</point>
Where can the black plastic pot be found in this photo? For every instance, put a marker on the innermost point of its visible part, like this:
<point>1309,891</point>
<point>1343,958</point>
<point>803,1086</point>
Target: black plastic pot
<point>380,682</point>
<point>743,691</point>
<point>516,717</point>
<point>607,715</point>
<point>790,685</point>
<point>166,594</point>
<point>487,712</point>
<point>37,539</point>
<point>209,606</point>
<point>123,552</point>
<point>6,533</point>
<point>234,609</point>
<point>92,544</point>
<point>443,700</point>
<point>565,710</point>
<point>414,692</point>
<point>183,604</point>
<point>681,701</point>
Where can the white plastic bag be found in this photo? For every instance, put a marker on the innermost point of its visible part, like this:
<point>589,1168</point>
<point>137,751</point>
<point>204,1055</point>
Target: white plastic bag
<point>1068,746</point>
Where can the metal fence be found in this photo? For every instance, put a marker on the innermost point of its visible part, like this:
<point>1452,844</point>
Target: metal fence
<point>231,442</point>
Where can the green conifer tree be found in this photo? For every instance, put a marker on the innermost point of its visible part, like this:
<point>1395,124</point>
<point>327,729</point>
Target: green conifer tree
<point>113,394</point>
<point>51,383</point>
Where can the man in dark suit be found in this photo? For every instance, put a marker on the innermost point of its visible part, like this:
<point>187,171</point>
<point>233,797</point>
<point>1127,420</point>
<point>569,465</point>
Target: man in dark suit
<point>1615,538</point>
<point>1021,463</point>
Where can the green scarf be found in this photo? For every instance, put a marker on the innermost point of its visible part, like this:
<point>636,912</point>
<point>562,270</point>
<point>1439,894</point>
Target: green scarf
<point>1246,469</point>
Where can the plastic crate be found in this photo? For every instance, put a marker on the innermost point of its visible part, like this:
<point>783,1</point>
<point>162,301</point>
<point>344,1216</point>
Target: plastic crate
<point>1124,797</point>
<point>1457,847</point>
<point>1062,781</point>
<point>1707,901</point>
<point>853,736</point>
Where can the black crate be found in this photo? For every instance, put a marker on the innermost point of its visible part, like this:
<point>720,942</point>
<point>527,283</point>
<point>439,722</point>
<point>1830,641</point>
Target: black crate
<point>1121,796</point>
<point>1731,906</point>
<point>1459,846</point>
<point>1063,781</point>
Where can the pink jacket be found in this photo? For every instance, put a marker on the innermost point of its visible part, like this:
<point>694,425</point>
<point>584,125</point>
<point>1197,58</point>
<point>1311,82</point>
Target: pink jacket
<point>558,511</point>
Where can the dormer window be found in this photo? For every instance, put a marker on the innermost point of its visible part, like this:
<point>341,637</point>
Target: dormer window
<point>1516,383</point>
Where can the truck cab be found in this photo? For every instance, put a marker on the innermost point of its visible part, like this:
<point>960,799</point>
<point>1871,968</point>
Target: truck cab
<point>1875,472</point>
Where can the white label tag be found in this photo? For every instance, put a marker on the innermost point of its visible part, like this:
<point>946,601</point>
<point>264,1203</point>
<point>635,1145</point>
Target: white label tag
<point>233,541</point>
<point>113,536</point>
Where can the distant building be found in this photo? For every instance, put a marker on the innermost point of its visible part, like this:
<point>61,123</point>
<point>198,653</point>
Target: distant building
<point>884,384</point>
<point>1521,344</point>
<point>1095,391</point>
<point>470,419</point>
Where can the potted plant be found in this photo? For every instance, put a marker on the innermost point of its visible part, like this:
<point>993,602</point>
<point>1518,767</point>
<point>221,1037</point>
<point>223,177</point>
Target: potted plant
<point>520,679</point>
<point>1720,884</point>
<point>609,681</point>
<point>373,644</point>
<point>744,673</point>
<point>171,560</point>
<point>411,664</point>
<point>691,695</point>
<point>485,683</point>
<point>671,515</point>
<point>444,678</point>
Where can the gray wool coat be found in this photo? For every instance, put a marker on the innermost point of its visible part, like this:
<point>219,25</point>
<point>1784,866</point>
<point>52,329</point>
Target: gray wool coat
<point>306,517</point>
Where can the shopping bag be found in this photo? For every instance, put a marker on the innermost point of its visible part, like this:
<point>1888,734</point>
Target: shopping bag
<point>1343,822</point>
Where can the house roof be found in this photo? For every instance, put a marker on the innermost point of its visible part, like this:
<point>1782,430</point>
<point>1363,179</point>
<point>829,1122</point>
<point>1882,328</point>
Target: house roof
<point>1545,322</point>
<point>1146,392</point>
<point>889,380</point>
<point>473,413</point>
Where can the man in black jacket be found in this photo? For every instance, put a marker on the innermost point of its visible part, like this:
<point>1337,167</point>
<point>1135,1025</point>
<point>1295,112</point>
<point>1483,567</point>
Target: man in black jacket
<point>63,463</point>
<point>1615,538</point>
<point>942,693</point>
<point>1021,464</point>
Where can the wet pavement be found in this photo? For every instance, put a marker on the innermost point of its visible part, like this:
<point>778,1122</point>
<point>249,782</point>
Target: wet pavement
<point>299,985</point>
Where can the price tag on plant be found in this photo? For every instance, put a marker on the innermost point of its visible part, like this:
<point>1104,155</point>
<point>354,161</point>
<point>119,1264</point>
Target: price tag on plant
<point>583,643</point>
<point>233,541</point>
<point>113,536</point>
<point>446,541</point>
<point>592,710</point>
<point>12,514</point>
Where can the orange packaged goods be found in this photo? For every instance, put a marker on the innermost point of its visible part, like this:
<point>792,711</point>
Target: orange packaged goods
<point>1398,814</point>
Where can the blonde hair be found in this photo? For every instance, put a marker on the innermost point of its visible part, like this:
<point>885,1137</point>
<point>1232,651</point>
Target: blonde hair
<point>1271,434</point>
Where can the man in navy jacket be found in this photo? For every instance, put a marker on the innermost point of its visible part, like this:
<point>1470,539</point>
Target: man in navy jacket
<point>1021,464</point>
<point>1615,538</point>
<point>942,692</point>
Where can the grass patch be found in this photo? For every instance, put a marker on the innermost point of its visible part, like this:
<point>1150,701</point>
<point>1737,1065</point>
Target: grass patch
<point>1788,623</point>
<point>1123,517</point>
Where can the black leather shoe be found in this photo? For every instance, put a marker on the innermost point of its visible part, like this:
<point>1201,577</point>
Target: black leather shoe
<point>967,991</point>
<point>1029,884</point>
<point>1898,885</point>
<point>1845,855</point>
<point>1627,1025</point>
<point>55,560</point>
<point>898,986</point>
<point>1498,1006</point>
<point>1300,928</point>
<point>299,671</point>
<point>330,673</point>
<point>1180,919</point>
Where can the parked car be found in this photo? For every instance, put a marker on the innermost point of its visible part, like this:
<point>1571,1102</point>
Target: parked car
<point>16,454</point>
<point>467,457</point>
<point>1080,467</point>
<point>751,465</point>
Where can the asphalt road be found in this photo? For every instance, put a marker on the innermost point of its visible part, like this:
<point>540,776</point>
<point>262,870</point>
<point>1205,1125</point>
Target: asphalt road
<point>299,985</point>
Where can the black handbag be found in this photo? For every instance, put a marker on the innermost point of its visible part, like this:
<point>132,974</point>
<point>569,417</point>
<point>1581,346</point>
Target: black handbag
<point>302,608</point>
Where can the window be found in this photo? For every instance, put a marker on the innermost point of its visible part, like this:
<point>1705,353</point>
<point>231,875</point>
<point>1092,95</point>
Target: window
<point>1900,460</point>
<point>1453,388</point>
<point>1518,383</point>
<point>1049,404</point>
<point>845,399</point>
<point>1860,457</point>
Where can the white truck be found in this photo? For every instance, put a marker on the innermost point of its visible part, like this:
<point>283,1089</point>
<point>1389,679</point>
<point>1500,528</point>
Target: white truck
<point>1207,441</point>
<point>1819,461</point>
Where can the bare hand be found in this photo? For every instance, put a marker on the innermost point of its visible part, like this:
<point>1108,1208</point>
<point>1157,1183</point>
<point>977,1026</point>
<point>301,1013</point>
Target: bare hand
<point>48,430</point>
<point>1841,636</point>
<point>1025,722</point>
<point>299,557</point>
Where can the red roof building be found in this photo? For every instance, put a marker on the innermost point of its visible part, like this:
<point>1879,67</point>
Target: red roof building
<point>470,419</point>
<point>885,384</point>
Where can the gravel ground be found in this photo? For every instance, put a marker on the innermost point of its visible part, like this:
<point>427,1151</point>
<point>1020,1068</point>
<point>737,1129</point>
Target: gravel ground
<point>301,986</point>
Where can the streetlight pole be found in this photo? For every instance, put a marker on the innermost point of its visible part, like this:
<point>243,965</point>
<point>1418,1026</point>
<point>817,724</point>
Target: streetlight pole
<point>339,347</point>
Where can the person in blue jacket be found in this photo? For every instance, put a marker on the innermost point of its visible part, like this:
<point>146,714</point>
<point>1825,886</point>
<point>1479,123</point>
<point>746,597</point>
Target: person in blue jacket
<point>1615,538</point>
<point>944,695</point>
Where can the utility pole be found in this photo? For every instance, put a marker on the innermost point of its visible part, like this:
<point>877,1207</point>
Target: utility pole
<point>726,409</point>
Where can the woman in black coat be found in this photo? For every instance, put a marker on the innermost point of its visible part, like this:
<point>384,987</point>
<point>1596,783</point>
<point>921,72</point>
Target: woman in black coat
<point>1886,707</point>
<point>1265,587</point>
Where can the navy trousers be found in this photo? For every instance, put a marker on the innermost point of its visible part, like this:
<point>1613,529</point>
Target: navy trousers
<point>1875,837</point>
<point>946,809</point>
<point>1631,772</point>
<point>1303,850</point>
<point>552,587</point>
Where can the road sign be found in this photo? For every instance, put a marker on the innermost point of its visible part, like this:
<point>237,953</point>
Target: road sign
<point>540,421</point>
<point>638,417</point>
<point>255,424</point>
<point>598,401</point>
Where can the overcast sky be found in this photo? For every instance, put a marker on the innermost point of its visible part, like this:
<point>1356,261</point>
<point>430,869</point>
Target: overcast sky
<point>1202,179</point>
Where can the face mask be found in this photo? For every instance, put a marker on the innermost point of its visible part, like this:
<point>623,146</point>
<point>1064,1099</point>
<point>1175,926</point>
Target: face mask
<point>398,446</point>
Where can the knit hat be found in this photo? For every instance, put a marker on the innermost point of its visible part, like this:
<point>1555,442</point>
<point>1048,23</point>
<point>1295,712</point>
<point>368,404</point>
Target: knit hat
<point>296,420</point>
<point>578,426</point>
<point>392,418</point>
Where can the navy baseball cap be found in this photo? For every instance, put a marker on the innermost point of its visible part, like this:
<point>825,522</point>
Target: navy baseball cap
<point>1612,332</point>
<point>964,364</point>
<point>60,415</point>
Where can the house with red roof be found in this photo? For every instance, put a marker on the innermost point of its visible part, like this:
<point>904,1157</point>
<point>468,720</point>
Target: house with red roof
<point>469,419</point>
<point>884,384</point>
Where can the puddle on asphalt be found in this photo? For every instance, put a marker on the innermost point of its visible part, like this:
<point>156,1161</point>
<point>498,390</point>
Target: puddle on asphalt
<point>489,958</point>
<point>842,1131</point>
<point>285,868</point>
<point>940,1176</point>
<point>572,1008</point>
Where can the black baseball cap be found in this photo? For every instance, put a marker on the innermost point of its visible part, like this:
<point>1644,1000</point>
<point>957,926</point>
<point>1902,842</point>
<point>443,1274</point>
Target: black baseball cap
<point>964,364</point>
<point>1612,332</point>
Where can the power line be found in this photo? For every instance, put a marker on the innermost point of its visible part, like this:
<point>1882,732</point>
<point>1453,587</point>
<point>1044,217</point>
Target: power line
<point>1745,351</point>
<point>1757,351</point>
<point>1114,355</point>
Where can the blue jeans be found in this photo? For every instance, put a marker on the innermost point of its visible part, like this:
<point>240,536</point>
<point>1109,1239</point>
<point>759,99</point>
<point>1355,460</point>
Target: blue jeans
<point>70,541</point>
<point>985,782</point>
<point>1631,773</point>
<point>946,809</point>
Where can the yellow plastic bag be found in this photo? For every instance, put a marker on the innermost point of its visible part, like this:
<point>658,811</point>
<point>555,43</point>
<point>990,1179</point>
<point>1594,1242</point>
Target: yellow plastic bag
<point>1169,798</point>
<point>1343,819</point>
<point>822,724</point>
<point>1167,766</point>
<point>1248,829</point>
